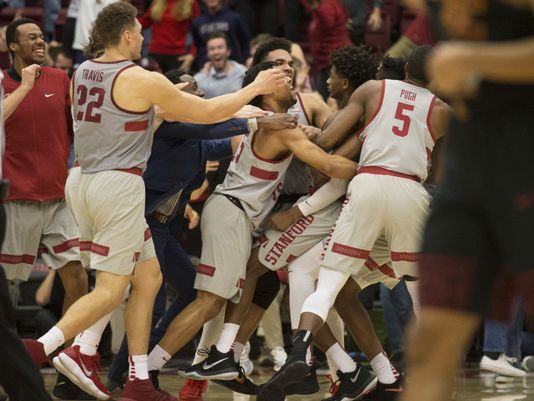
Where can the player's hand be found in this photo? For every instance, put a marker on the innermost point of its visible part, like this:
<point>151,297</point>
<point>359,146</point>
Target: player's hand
<point>281,221</point>
<point>277,121</point>
<point>271,80</point>
<point>29,74</point>
<point>249,111</point>
<point>375,19</point>
<point>449,69</point>
<point>311,132</point>
<point>191,215</point>
<point>187,61</point>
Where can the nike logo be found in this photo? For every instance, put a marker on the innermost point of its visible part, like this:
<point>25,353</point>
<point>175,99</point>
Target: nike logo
<point>211,365</point>
<point>353,379</point>
<point>86,371</point>
<point>49,94</point>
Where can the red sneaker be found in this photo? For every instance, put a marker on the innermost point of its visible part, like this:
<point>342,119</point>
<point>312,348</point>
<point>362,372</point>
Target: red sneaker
<point>36,351</point>
<point>144,390</point>
<point>82,370</point>
<point>192,390</point>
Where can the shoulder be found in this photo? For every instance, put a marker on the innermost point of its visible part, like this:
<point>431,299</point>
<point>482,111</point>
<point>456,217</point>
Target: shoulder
<point>239,67</point>
<point>311,99</point>
<point>368,88</point>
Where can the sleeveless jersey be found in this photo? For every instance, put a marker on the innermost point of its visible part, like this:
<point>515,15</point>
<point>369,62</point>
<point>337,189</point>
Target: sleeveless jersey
<point>298,179</point>
<point>399,138</point>
<point>256,182</point>
<point>107,137</point>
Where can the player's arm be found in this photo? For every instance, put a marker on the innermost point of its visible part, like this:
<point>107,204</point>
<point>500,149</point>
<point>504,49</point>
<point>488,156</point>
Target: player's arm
<point>11,102</point>
<point>316,106</point>
<point>184,107</point>
<point>440,118</point>
<point>331,165</point>
<point>346,118</point>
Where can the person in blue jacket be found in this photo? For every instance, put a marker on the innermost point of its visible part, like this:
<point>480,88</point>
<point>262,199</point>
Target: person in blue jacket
<point>176,167</point>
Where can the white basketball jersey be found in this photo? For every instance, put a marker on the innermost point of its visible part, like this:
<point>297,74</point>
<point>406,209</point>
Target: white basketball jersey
<point>399,137</point>
<point>256,182</point>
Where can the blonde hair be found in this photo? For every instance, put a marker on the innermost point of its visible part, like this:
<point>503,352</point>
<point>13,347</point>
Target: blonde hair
<point>182,10</point>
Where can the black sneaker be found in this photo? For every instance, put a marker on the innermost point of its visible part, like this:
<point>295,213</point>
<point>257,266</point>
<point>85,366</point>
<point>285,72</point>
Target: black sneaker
<point>217,366</point>
<point>67,390</point>
<point>353,385</point>
<point>386,392</point>
<point>241,384</point>
<point>310,385</point>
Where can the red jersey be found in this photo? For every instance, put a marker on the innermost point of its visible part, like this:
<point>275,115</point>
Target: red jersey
<point>38,137</point>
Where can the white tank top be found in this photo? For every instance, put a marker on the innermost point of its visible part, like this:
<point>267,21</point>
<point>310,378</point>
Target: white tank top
<point>398,138</point>
<point>256,182</point>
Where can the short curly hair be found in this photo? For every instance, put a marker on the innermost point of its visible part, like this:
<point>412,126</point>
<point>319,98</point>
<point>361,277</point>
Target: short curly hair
<point>109,25</point>
<point>355,63</point>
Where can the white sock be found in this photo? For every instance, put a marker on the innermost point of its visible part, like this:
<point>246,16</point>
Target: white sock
<point>52,340</point>
<point>309,356</point>
<point>210,333</point>
<point>158,358</point>
<point>238,350</point>
<point>89,339</point>
<point>343,361</point>
<point>383,369</point>
<point>227,337</point>
<point>138,367</point>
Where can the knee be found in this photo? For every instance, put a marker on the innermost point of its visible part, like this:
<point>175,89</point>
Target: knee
<point>209,304</point>
<point>74,279</point>
<point>267,289</point>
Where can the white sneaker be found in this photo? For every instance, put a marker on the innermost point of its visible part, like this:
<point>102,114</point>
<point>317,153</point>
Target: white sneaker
<point>279,357</point>
<point>502,366</point>
<point>528,363</point>
<point>244,360</point>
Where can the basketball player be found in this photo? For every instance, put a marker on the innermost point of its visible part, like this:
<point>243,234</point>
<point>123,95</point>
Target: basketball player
<point>113,106</point>
<point>402,121</point>
<point>476,254</point>
<point>232,216</point>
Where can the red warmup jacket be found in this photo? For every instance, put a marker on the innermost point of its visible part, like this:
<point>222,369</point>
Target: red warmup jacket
<point>38,137</point>
<point>327,31</point>
<point>169,35</point>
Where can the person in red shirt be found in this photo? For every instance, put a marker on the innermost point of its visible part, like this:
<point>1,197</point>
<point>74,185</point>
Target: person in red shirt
<point>38,131</point>
<point>170,21</point>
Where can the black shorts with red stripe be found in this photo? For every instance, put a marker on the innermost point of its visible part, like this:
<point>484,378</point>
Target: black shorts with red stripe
<point>478,249</point>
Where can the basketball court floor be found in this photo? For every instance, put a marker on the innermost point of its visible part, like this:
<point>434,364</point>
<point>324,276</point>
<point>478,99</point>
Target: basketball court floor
<point>473,385</point>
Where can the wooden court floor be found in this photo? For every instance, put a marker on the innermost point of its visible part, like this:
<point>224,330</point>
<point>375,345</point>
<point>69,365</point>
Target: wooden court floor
<point>473,385</point>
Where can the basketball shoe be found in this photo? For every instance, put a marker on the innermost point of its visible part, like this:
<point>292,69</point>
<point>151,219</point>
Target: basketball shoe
<point>217,366</point>
<point>36,351</point>
<point>192,390</point>
<point>144,390</point>
<point>353,385</point>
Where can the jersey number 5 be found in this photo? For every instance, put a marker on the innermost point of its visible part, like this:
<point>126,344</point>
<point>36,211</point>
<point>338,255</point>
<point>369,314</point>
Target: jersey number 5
<point>90,115</point>
<point>404,118</point>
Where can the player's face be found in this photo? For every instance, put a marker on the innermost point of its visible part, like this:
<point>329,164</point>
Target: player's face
<point>137,40</point>
<point>30,46</point>
<point>218,53</point>
<point>336,84</point>
<point>284,61</point>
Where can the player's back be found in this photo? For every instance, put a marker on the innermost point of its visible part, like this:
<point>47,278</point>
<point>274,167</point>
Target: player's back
<point>107,137</point>
<point>399,138</point>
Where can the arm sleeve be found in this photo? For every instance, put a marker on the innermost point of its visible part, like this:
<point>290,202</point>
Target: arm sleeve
<point>324,196</point>
<point>226,129</point>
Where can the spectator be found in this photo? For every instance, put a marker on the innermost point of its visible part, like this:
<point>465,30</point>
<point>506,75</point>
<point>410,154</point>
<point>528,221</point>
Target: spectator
<point>224,75</point>
<point>358,21</point>
<point>51,10</point>
<point>170,21</point>
<point>260,15</point>
<point>60,59</point>
<point>219,18</point>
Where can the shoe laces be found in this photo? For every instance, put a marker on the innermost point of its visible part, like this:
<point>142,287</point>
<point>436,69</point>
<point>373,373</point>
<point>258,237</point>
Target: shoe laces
<point>203,352</point>
<point>334,385</point>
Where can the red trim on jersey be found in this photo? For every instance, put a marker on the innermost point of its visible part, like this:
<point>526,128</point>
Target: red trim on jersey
<point>72,243</point>
<point>89,246</point>
<point>16,259</point>
<point>385,268</point>
<point>107,62</point>
<point>350,251</point>
<point>404,256</point>
<point>133,170</point>
<point>261,158</point>
<point>148,234</point>
<point>290,258</point>
<point>240,283</point>
<point>382,92</point>
<point>136,125</point>
<point>301,103</point>
<point>206,270</point>
<point>263,174</point>
<point>428,154</point>
<point>113,98</point>
<point>42,250</point>
<point>384,171</point>
<point>136,256</point>
<point>432,134</point>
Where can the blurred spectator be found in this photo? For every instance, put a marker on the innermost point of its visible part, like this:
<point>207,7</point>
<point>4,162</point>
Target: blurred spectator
<point>292,15</point>
<point>392,68</point>
<point>328,31</point>
<point>51,9</point>
<point>50,296</point>
<point>170,21</point>
<point>223,75</point>
<point>260,15</point>
<point>254,43</point>
<point>69,27</point>
<point>219,18</point>
<point>418,33</point>
<point>358,21</point>
<point>59,59</point>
